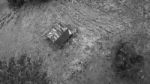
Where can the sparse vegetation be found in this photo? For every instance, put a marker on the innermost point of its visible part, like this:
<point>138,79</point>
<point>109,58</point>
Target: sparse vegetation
<point>22,71</point>
<point>127,64</point>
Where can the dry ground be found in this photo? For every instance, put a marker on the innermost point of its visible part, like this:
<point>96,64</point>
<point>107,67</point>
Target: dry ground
<point>87,58</point>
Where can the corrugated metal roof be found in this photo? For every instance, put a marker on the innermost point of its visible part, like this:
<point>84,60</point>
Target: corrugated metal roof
<point>59,34</point>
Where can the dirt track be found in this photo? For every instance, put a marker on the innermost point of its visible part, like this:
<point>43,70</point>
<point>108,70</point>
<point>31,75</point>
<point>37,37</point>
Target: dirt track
<point>87,59</point>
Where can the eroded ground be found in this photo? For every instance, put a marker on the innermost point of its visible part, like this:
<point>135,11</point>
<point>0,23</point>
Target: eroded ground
<point>86,59</point>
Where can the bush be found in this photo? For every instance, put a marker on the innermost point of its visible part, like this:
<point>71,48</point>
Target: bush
<point>19,3</point>
<point>16,3</point>
<point>128,64</point>
<point>22,71</point>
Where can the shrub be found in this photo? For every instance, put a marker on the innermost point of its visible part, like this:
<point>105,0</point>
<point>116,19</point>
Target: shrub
<point>22,71</point>
<point>19,3</point>
<point>128,64</point>
<point>16,3</point>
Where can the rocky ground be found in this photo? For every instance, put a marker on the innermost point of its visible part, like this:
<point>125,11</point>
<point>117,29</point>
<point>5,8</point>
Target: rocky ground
<point>87,58</point>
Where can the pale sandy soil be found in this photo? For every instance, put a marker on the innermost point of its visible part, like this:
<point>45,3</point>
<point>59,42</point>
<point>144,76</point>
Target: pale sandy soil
<point>87,58</point>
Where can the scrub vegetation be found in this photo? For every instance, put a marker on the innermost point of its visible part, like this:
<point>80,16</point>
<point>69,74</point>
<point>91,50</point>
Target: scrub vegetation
<point>127,64</point>
<point>22,71</point>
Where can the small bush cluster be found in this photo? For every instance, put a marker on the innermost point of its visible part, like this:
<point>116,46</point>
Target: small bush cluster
<point>16,3</point>
<point>19,3</point>
<point>22,71</point>
<point>128,64</point>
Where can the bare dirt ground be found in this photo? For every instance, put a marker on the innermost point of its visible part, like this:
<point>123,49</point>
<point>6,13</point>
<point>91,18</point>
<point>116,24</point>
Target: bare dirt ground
<point>87,59</point>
